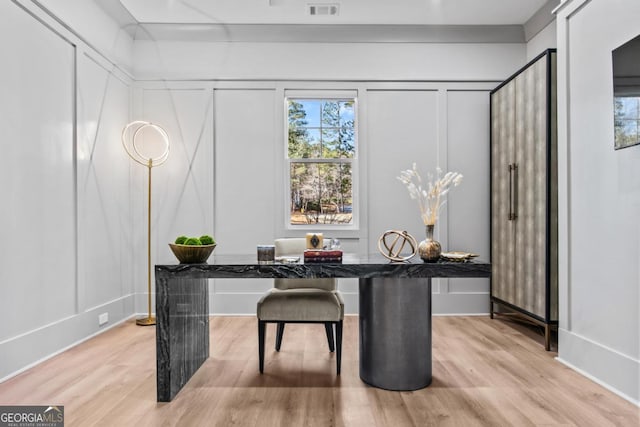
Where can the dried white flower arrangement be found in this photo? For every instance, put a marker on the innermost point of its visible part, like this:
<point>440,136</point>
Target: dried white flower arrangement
<point>429,198</point>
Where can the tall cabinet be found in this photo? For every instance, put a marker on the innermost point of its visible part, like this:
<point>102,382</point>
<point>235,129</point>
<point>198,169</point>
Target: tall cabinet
<point>524,227</point>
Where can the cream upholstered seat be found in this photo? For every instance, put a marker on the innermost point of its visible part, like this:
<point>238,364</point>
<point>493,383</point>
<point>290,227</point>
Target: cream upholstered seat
<point>300,301</point>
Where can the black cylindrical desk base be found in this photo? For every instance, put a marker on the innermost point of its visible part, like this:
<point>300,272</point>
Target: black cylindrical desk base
<point>395,333</point>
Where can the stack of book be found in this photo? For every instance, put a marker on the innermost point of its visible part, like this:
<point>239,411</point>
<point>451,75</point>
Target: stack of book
<point>321,255</point>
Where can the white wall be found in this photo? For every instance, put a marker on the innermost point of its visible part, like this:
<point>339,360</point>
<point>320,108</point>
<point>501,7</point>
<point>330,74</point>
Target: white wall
<point>180,60</point>
<point>64,180</point>
<point>96,29</point>
<point>433,125</point>
<point>545,39</point>
<point>540,30</point>
<point>423,102</point>
<point>599,201</point>
<point>38,214</point>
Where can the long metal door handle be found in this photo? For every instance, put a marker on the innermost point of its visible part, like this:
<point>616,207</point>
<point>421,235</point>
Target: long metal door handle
<point>510,217</point>
<point>514,209</point>
<point>516,191</point>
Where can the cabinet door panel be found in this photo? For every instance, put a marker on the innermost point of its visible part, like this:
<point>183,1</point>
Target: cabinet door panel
<point>531,201</point>
<point>502,239</point>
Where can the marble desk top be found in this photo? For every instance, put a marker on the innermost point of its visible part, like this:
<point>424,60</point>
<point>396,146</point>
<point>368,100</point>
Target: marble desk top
<point>353,266</point>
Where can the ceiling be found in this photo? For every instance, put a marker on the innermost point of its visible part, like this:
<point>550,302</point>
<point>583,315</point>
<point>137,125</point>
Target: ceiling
<point>388,21</point>
<point>372,12</point>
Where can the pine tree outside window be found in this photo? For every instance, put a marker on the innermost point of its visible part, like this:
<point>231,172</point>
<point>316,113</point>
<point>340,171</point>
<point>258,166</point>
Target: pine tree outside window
<point>626,120</point>
<point>321,155</point>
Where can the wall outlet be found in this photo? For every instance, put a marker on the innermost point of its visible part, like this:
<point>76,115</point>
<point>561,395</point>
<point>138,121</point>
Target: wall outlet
<point>103,318</point>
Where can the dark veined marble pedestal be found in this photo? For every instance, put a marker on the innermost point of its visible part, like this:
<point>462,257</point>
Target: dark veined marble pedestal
<point>182,335</point>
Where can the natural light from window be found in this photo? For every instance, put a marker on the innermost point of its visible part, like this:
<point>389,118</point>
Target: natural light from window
<point>627,120</point>
<point>321,149</point>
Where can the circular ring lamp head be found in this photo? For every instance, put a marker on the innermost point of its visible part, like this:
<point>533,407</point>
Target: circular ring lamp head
<point>146,143</point>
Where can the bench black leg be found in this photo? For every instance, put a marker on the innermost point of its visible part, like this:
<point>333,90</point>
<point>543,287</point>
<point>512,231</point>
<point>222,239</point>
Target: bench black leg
<point>279,334</point>
<point>338,345</point>
<point>261,333</point>
<point>328,327</point>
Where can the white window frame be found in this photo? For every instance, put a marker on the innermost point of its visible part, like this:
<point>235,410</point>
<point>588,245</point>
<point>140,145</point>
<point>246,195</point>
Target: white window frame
<point>354,161</point>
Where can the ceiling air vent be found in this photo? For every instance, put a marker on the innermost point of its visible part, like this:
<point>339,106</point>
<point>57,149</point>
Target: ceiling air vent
<point>323,9</point>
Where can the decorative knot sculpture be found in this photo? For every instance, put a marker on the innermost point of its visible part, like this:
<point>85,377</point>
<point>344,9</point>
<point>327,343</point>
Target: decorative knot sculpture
<point>393,251</point>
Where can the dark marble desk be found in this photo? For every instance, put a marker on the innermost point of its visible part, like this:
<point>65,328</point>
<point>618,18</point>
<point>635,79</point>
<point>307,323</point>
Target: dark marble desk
<point>395,314</point>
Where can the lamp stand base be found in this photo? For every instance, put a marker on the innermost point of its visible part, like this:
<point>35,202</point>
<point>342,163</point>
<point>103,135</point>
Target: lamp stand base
<point>146,321</point>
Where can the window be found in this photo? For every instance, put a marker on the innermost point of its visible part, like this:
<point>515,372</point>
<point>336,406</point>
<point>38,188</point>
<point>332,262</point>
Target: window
<point>321,155</point>
<point>626,120</point>
<point>626,93</point>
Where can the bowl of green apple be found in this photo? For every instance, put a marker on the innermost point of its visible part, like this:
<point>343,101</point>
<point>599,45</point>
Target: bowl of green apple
<point>193,250</point>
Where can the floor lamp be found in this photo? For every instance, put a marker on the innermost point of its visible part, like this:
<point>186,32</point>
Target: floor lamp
<point>148,145</point>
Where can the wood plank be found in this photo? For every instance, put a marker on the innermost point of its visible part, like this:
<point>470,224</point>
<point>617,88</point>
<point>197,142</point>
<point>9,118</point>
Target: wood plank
<point>485,373</point>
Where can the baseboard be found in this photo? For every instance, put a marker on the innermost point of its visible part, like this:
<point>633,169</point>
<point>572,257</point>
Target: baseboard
<point>17,354</point>
<point>611,369</point>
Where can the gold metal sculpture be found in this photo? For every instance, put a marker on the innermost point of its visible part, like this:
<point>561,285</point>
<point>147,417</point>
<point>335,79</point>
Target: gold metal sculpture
<point>147,151</point>
<point>393,252</point>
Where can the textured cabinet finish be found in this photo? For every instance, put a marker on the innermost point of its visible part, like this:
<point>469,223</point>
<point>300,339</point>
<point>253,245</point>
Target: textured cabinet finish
<point>524,193</point>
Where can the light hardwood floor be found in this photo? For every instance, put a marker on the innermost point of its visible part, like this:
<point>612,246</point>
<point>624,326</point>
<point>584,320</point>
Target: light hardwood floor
<point>485,373</point>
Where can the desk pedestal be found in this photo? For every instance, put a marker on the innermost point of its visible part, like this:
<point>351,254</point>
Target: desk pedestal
<point>182,332</point>
<point>395,333</point>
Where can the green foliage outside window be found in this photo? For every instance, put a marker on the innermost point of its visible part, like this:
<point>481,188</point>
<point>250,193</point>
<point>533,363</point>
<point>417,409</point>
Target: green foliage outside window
<point>626,120</point>
<point>321,146</point>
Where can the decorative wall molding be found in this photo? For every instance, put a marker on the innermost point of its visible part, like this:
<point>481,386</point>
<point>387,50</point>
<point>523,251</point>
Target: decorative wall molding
<point>100,94</point>
<point>47,17</point>
<point>238,297</point>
